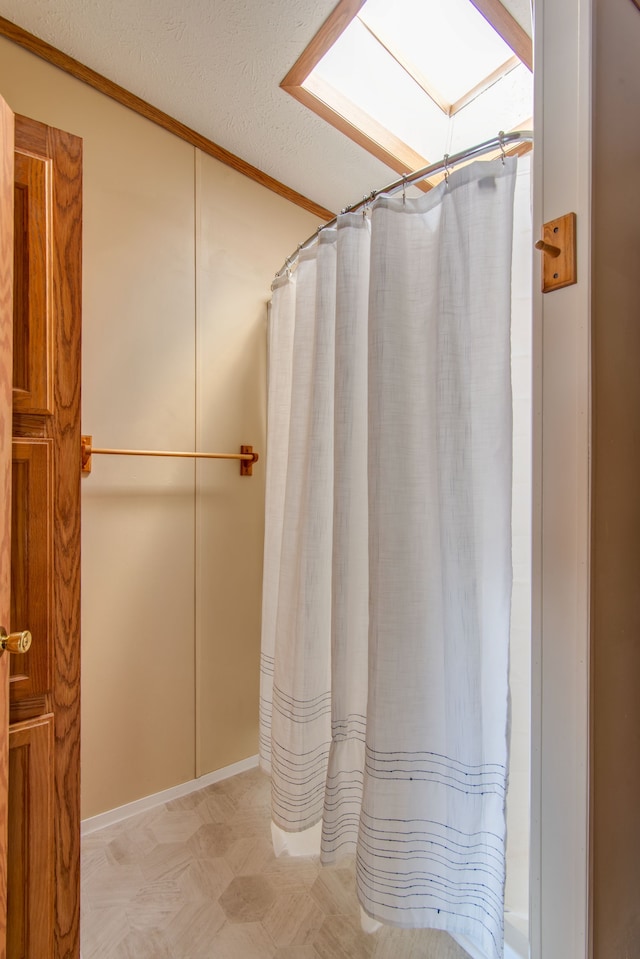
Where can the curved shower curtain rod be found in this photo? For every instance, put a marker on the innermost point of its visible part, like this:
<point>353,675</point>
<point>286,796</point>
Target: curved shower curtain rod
<point>443,166</point>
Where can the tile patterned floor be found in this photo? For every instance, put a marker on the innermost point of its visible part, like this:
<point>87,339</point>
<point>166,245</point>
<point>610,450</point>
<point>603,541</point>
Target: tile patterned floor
<point>197,879</point>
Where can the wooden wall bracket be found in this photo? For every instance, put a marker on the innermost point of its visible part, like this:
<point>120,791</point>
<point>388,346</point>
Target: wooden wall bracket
<point>558,247</point>
<point>85,453</point>
<point>246,466</point>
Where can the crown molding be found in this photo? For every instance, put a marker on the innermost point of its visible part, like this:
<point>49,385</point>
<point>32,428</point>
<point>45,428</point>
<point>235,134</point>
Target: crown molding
<point>74,68</point>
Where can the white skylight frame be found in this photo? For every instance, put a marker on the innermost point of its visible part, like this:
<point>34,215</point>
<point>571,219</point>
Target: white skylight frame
<point>390,133</point>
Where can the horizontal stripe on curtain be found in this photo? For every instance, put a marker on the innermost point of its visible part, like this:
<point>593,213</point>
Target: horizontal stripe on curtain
<point>388,551</point>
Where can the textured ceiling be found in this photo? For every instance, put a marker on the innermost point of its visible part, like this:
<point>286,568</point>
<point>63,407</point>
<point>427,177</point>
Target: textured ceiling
<point>216,65</point>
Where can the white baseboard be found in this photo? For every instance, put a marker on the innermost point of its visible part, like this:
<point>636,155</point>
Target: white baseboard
<point>516,945</point>
<point>158,799</point>
<point>516,941</point>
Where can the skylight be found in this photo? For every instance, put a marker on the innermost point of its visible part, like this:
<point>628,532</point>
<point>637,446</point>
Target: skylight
<point>415,79</point>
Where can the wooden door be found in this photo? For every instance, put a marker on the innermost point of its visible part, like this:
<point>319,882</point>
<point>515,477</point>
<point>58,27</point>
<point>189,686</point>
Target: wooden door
<point>44,760</point>
<point>6,335</point>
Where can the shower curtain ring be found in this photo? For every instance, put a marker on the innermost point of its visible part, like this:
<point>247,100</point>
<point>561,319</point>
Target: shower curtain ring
<point>404,188</point>
<point>367,200</point>
<point>446,169</point>
<point>502,150</point>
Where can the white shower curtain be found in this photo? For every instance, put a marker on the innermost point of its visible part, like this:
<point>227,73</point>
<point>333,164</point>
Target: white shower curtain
<point>387,578</point>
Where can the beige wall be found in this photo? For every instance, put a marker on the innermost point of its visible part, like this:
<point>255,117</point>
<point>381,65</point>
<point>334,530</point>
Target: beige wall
<point>235,250</point>
<point>179,252</point>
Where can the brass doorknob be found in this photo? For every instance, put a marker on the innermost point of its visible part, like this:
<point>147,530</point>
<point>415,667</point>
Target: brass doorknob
<point>15,642</point>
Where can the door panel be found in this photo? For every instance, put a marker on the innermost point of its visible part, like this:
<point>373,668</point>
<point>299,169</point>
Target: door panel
<point>32,361</point>
<point>31,567</point>
<point>44,794</point>
<point>6,336</point>
<point>31,851</point>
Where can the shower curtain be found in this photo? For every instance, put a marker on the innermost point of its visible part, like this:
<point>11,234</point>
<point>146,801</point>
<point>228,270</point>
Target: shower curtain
<point>387,567</point>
